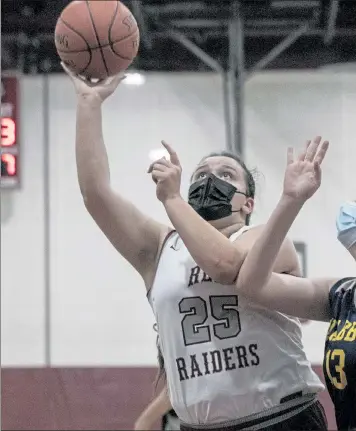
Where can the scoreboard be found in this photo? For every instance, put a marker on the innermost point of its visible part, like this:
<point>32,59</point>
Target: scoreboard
<point>10,145</point>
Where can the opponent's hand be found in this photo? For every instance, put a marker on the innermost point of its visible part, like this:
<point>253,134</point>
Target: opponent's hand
<point>167,175</point>
<point>303,174</point>
<point>99,90</point>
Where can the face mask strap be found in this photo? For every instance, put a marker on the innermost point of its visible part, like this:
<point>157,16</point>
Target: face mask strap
<point>240,193</point>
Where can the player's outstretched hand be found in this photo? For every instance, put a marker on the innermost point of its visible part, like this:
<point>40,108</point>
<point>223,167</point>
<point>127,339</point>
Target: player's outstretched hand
<point>99,90</point>
<point>303,174</point>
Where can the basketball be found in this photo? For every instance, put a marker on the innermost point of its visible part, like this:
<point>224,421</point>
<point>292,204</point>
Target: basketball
<point>97,39</point>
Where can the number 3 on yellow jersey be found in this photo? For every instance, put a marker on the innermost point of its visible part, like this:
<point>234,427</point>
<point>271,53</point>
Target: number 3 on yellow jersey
<point>340,382</point>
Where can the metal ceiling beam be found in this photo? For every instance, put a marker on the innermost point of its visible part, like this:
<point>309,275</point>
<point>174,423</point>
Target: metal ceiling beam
<point>194,49</point>
<point>294,4</point>
<point>252,23</point>
<point>331,22</point>
<point>176,7</point>
<point>234,97</point>
<point>277,50</point>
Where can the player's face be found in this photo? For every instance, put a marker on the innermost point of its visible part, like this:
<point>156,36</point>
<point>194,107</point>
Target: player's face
<point>229,170</point>
<point>225,168</point>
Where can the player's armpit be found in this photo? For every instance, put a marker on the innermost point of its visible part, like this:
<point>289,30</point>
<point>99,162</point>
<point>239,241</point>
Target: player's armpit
<point>137,237</point>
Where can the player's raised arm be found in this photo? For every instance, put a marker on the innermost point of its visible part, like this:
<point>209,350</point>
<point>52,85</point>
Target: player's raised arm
<point>136,236</point>
<point>291,295</point>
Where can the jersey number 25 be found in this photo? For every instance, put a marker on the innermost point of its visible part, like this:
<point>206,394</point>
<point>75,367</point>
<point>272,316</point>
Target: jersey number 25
<point>222,308</point>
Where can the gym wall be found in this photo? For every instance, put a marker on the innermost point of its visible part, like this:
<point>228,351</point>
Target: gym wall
<point>96,313</point>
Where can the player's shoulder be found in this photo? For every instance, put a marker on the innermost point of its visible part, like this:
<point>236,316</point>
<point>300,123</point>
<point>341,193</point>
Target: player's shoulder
<point>249,234</point>
<point>339,289</point>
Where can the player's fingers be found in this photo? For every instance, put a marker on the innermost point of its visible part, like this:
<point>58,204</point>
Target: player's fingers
<point>156,175</point>
<point>163,161</point>
<point>115,80</point>
<point>67,70</point>
<point>317,171</point>
<point>172,154</point>
<point>312,149</point>
<point>303,153</point>
<point>320,155</point>
<point>159,167</point>
<point>290,155</point>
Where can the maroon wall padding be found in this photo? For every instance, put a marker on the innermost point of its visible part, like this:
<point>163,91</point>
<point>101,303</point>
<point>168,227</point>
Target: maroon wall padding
<point>82,398</point>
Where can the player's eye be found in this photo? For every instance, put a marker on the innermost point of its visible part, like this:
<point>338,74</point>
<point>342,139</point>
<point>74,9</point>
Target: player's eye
<point>201,175</point>
<point>226,175</point>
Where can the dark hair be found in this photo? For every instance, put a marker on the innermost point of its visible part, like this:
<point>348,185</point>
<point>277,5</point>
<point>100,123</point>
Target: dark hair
<point>249,179</point>
<point>161,369</point>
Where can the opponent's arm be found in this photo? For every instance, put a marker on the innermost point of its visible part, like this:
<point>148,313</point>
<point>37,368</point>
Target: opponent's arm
<point>136,236</point>
<point>154,411</point>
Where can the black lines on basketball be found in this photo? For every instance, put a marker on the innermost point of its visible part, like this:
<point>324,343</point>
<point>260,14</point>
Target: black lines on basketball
<point>112,22</point>
<point>97,37</point>
<point>88,50</point>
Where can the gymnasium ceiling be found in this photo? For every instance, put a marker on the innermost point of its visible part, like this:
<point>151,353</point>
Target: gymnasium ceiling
<point>327,33</point>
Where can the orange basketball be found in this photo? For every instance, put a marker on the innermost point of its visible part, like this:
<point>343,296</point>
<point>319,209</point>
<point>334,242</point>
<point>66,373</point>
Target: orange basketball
<point>97,38</point>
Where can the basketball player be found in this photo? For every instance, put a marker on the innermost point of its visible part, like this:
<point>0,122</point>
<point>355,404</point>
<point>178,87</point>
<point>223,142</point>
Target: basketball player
<point>326,299</point>
<point>229,365</point>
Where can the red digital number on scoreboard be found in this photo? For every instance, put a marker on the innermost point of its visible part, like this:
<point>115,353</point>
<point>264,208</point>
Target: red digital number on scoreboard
<point>8,165</point>
<point>8,132</point>
<point>10,150</point>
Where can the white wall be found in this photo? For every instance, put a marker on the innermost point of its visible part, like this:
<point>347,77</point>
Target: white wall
<point>99,312</point>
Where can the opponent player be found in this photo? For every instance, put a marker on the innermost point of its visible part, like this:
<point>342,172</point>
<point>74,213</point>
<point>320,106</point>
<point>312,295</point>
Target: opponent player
<point>318,299</point>
<point>228,364</point>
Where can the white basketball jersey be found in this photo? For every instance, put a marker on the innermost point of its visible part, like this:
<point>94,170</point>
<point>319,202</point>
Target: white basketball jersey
<point>225,359</point>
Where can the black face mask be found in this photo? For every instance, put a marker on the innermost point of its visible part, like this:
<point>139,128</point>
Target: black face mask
<point>211,198</point>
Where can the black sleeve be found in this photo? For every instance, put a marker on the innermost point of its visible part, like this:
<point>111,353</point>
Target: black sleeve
<point>333,293</point>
